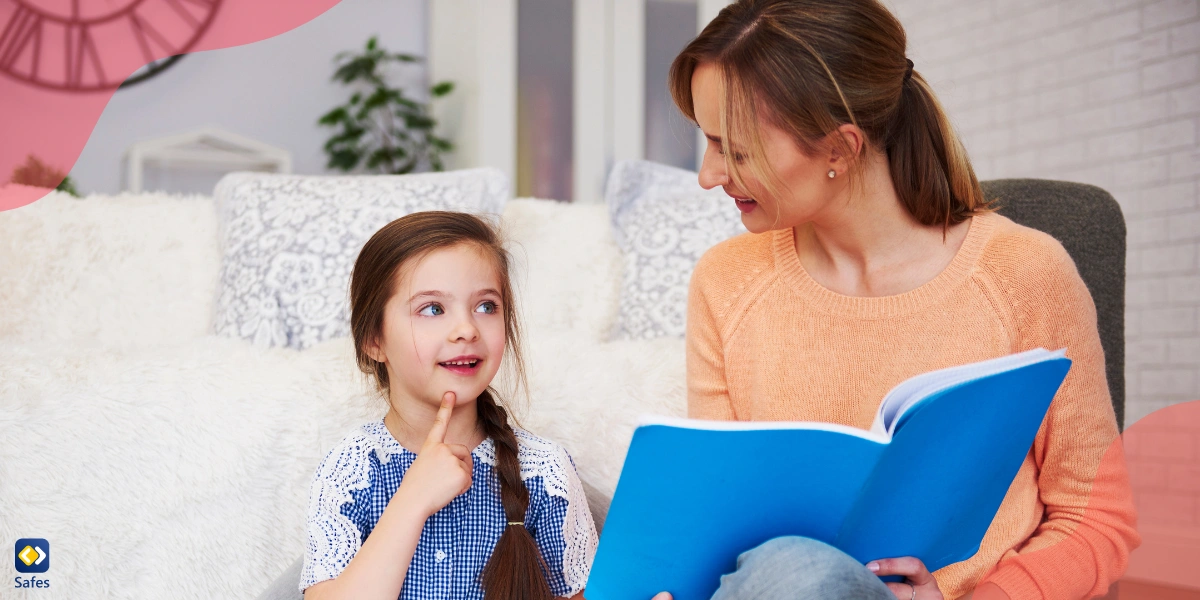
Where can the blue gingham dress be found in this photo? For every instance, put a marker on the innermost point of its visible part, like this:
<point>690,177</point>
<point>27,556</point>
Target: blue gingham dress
<point>358,477</point>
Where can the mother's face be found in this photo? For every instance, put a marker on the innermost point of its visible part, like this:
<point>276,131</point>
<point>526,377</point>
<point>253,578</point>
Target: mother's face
<point>804,186</point>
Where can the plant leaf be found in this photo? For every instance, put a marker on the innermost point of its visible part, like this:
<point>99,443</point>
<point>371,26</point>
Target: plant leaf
<point>334,117</point>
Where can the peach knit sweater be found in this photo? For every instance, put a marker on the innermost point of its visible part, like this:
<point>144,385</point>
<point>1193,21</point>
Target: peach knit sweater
<point>765,342</point>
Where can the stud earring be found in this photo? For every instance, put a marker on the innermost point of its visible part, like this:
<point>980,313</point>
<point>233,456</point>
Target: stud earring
<point>832,173</point>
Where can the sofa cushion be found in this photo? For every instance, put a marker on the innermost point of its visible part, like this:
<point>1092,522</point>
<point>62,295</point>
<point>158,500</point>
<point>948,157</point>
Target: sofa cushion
<point>663,221</point>
<point>118,271</point>
<point>288,243</point>
<point>567,269</point>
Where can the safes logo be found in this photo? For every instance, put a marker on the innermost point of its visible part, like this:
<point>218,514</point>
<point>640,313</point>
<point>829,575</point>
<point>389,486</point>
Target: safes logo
<point>32,555</point>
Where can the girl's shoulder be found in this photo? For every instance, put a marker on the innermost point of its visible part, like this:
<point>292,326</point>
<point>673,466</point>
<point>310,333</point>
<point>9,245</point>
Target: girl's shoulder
<point>367,444</point>
<point>540,457</point>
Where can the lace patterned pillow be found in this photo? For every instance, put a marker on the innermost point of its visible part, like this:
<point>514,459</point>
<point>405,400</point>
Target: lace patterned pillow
<point>663,222</point>
<point>288,243</point>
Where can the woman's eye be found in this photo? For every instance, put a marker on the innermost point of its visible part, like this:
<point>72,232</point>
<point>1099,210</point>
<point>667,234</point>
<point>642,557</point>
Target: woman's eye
<point>488,307</point>
<point>432,310</point>
<point>737,156</point>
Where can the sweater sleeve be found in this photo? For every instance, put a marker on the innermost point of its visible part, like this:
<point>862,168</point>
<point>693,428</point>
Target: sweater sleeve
<point>707,389</point>
<point>1088,529</point>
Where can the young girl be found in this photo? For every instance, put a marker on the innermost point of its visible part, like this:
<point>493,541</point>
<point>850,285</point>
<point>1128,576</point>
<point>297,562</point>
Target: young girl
<point>442,498</point>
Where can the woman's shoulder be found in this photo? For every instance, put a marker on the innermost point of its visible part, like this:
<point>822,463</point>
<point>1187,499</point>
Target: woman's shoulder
<point>738,254</point>
<point>1025,256</point>
<point>727,270</point>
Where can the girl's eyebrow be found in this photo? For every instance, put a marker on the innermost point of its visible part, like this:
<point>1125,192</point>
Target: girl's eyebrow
<point>440,294</point>
<point>432,293</point>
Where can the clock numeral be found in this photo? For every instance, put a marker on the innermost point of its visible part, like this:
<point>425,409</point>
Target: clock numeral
<point>144,32</point>
<point>81,49</point>
<point>23,30</point>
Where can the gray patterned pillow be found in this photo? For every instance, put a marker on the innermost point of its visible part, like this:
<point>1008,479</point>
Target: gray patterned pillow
<point>288,243</point>
<point>663,222</point>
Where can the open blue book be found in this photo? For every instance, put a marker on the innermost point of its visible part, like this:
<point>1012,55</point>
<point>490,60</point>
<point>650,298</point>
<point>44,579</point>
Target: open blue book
<point>925,481</point>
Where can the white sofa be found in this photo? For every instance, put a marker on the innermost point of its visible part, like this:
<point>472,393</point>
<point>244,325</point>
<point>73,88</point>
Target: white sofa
<point>161,461</point>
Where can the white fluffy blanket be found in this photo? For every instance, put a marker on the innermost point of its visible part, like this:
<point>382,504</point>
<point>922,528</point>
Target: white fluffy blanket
<point>177,466</point>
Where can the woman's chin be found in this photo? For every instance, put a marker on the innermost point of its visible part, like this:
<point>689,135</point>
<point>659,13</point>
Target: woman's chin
<point>756,222</point>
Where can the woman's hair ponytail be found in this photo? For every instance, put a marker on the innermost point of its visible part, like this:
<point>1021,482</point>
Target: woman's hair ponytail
<point>929,167</point>
<point>516,569</point>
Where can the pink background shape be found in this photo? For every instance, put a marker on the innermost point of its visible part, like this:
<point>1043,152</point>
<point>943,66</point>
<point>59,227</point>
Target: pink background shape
<point>54,125</point>
<point>1163,454</point>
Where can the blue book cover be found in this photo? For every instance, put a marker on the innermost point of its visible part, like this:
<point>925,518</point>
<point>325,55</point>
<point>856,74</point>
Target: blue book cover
<point>924,481</point>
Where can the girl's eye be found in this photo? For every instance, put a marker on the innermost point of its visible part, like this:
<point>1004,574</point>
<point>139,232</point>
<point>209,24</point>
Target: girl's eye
<point>487,306</point>
<point>432,310</point>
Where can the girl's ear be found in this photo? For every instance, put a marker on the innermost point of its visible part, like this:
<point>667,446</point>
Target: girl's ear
<point>372,349</point>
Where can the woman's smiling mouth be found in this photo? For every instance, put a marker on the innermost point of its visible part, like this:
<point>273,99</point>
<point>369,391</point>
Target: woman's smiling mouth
<point>745,204</point>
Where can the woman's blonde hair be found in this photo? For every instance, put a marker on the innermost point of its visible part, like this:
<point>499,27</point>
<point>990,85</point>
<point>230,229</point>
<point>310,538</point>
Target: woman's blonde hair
<point>810,66</point>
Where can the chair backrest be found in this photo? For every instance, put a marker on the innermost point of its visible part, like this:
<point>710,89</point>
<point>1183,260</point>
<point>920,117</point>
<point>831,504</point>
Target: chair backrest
<point>1088,222</point>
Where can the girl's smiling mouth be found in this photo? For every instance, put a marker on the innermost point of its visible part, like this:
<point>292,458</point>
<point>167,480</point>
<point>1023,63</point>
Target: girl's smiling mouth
<point>462,365</point>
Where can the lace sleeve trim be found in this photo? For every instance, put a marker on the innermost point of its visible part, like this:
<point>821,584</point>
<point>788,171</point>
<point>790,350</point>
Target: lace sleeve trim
<point>545,459</point>
<point>333,538</point>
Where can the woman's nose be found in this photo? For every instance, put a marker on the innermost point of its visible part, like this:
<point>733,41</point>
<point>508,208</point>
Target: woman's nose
<point>712,170</point>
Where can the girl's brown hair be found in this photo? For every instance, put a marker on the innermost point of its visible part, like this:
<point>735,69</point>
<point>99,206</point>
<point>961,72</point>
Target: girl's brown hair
<point>516,568</point>
<point>809,66</point>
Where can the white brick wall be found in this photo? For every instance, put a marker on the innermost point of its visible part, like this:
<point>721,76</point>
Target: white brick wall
<point>1105,92</point>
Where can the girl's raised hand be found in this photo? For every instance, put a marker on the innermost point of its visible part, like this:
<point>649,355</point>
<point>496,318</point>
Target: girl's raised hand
<point>441,471</point>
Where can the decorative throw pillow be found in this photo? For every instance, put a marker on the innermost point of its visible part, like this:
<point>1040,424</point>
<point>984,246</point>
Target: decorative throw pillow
<point>288,243</point>
<point>663,221</point>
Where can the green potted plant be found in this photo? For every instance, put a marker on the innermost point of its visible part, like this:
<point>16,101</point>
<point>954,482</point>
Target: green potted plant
<point>380,129</point>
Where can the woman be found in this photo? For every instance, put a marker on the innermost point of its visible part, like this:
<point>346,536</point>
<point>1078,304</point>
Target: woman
<point>873,256</point>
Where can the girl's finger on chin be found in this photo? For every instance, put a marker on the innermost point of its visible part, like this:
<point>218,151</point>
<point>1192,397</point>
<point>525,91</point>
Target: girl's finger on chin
<point>662,596</point>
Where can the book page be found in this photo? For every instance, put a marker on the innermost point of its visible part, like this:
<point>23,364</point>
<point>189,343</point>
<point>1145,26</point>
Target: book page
<point>910,392</point>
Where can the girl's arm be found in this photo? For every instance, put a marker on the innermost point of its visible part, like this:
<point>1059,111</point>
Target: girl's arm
<point>379,567</point>
<point>440,473</point>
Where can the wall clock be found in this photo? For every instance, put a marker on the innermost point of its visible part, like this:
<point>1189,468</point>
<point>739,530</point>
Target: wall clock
<point>90,45</point>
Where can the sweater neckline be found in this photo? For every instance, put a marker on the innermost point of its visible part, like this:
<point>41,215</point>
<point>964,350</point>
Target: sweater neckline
<point>815,295</point>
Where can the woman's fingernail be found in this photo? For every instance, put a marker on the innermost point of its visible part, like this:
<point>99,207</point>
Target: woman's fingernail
<point>873,566</point>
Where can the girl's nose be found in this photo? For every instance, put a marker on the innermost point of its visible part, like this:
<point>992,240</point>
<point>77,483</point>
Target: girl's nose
<point>464,330</point>
<point>712,170</point>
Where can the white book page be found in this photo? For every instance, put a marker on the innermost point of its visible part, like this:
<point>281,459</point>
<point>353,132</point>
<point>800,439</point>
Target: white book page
<point>911,391</point>
<point>648,419</point>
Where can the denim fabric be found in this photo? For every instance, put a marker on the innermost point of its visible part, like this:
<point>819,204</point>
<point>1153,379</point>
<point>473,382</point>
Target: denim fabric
<point>798,568</point>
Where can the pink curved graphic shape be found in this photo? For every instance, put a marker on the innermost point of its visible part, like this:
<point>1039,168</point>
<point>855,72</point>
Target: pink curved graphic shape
<point>1163,453</point>
<point>55,54</point>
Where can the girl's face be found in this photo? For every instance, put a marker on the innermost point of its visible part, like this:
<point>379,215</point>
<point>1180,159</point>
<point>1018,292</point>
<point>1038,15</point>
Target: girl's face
<point>806,188</point>
<point>443,327</point>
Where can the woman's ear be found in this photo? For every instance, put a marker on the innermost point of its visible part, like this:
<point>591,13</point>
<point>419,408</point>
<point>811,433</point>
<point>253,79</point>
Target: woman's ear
<point>845,147</point>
